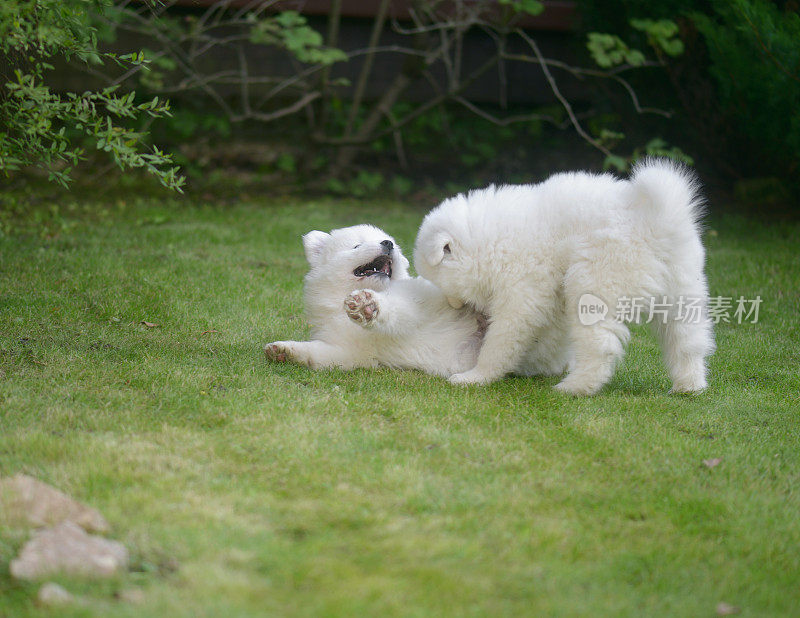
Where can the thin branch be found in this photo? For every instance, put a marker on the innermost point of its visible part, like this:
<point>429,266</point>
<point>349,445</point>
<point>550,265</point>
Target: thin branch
<point>332,41</point>
<point>244,78</point>
<point>419,111</point>
<point>557,93</point>
<point>188,68</point>
<point>260,6</point>
<point>216,8</point>
<point>298,105</point>
<point>580,73</point>
<point>458,51</point>
<point>501,75</point>
<point>445,57</point>
<point>508,120</point>
<point>361,85</point>
<point>635,99</point>
<point>398,140</point>
<point>434,27</point>
<point>300,75</point>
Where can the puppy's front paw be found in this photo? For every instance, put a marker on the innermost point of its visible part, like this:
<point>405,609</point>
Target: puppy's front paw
<point>362,307</point>
<point>279,352</point>
<point>469,377</point>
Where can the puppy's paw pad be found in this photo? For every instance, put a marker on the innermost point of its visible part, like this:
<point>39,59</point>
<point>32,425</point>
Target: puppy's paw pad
<point>278,352</point>
<point>362,307</point>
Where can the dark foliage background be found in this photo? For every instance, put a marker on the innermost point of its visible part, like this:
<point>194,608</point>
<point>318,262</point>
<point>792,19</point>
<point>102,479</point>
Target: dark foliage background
<point>720,92</point>
<point>736,86</point>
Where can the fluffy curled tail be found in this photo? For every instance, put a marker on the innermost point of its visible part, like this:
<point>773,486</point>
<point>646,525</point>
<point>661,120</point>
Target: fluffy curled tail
<point>667,193</point>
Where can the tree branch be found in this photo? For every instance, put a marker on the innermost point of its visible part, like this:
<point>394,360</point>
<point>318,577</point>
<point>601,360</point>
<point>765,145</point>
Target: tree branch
<point>564,103</point>
<point>377,27</point>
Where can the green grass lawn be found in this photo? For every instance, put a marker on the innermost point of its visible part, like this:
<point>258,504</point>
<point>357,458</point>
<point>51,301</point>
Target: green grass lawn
<point>244,488</point>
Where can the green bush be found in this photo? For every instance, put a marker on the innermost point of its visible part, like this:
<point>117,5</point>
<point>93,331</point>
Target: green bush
<point>738,81</point>
<point>39,127</point>
<point>754,52</point>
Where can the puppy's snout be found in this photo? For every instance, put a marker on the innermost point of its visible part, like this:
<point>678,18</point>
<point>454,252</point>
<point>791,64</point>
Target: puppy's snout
<point>387,245</point>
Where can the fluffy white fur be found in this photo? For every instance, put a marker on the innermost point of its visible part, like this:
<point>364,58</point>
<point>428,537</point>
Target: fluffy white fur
<point>524,255</point>
<point>362,320</point>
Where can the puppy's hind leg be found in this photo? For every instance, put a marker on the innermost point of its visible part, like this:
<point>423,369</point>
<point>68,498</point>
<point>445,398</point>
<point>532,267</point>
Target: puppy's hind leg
<point>313,354</point>
<point>685,345</point>
<point>597,340</point>
<point>596,351</point>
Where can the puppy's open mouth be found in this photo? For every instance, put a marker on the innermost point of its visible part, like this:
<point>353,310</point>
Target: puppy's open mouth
<point>381,265</point>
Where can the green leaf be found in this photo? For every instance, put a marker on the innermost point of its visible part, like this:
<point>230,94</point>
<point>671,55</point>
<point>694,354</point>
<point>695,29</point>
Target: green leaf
<point>290,30</point>
<point>609,50</point>
<point>614,161</point>
<point>661,34</point>
<point>286,163</point>
<point>531,7</point>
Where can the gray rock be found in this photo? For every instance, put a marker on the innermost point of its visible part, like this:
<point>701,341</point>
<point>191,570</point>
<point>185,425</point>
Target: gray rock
<point>53,594</point>
<point>134,596</point>
<point>23,499</point>
<point>67,548</point>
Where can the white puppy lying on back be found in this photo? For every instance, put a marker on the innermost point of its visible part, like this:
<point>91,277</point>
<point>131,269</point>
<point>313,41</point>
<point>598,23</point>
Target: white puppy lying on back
<point>366,311</point>
<point>526,256</point>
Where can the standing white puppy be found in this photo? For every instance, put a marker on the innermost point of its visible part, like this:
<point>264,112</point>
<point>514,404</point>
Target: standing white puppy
<point>527,256</point>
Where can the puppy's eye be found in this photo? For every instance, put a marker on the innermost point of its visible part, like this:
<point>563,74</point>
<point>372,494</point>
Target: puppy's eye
<point>357,246</point>
<point>446,248</point>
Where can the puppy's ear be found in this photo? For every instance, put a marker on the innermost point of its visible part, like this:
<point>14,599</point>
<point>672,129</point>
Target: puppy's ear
<point>313,243</point>
<point>438,248</point>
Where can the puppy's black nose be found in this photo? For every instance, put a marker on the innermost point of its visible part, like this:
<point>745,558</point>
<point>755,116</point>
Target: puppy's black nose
<point>387,245</point>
